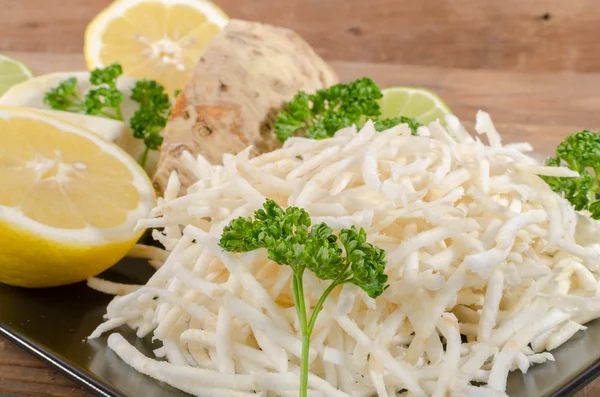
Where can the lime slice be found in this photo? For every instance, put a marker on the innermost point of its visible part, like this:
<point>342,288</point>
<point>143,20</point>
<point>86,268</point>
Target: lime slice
<point>418,103</point>
<point>12,72</point>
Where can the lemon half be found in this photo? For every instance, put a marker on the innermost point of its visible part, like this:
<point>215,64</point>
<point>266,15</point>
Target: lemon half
<point>30,94</point>
<point>69,200</point>
<point>154,39</point>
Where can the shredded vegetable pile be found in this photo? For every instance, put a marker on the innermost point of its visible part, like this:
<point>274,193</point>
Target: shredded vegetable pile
<point>488,269</point>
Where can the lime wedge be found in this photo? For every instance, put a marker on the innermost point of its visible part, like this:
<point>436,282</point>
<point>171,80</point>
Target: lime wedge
<point>418,103</point>
<point>12,72</point>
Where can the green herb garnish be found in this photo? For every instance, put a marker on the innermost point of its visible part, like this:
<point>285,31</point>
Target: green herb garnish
<point>382,125</point>
<point>580,152</point>
<point>106,99</point>
<point>290,240</point>
<point>64,97</point>
<point>152,115</point>
<point>327,111</point>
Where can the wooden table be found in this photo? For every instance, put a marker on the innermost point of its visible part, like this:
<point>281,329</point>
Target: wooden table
<point>533,65</point>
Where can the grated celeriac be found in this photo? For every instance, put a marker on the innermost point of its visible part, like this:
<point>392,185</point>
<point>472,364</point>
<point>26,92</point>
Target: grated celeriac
<point>488,268</point>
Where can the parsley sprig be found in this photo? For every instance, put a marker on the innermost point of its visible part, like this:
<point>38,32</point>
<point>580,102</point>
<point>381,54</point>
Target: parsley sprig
<point>580,152</point>
<point>152,115</point>
<point>291,240</point>
<point>105,99</point>
<point>64,97</point>
<point>327,111</point>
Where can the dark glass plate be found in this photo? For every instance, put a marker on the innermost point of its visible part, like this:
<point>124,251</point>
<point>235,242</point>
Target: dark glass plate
<point>53,325</point>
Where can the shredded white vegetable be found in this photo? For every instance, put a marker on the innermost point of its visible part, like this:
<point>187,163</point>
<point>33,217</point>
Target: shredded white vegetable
<point>488,269</point>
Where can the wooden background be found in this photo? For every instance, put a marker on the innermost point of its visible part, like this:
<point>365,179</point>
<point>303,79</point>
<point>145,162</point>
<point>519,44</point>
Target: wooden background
<point>535,65</point>
<point>534,36</point>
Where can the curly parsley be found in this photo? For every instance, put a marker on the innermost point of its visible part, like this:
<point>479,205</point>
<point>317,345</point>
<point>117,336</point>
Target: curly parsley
<point>580,152</point>
<point>291,240</point>
<point>327,111</point>
<point>105,99</point>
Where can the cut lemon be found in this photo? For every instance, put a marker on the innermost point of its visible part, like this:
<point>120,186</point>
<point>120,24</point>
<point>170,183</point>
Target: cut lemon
<point>418,103</point>
<point>12,72</point>
<point>155,39</point>
<point>69,201</point>
<point>30,94</point>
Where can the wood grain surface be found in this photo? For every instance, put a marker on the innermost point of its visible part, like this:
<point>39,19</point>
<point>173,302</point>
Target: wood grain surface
<point>527,61</point>
<point>541,35</point>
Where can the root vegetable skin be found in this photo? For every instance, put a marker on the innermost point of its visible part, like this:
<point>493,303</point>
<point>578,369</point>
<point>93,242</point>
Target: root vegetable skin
<point>240,83</point>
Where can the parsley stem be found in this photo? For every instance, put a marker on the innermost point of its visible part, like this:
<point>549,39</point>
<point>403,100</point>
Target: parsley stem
<point>144,157</point>
<point>77,105</point>
<point>118,113</point>
<point>307,329</point>
<point>304,368</point>
<point>295,295</point>
<point>298,286</point>
<point>301,301</point>
<point>111,116</point>
<point>317,309</point>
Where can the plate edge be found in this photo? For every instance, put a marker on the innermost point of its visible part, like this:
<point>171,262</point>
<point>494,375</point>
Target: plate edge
<point>89,383</point>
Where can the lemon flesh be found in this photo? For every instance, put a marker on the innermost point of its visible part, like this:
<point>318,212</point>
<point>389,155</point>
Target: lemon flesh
<point>30,94</point>
<point>158,40</point>
<point>69,200</point>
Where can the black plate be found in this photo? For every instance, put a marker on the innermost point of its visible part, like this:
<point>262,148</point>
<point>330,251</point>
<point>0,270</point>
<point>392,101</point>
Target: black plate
<point>53,325</point>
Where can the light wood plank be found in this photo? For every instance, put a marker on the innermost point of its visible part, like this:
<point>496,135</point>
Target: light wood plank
<point>543,35</point>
